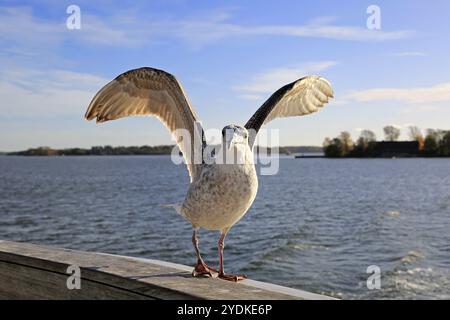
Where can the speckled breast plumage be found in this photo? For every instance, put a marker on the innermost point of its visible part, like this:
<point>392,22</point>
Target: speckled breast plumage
<point>221,196</point>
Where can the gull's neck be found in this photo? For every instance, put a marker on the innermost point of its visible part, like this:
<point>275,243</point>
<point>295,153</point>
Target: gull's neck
<point>243,154</point>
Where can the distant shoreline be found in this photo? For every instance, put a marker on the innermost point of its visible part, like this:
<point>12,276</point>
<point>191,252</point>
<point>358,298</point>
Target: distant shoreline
<point>95,151</point>
<point>142,151</point>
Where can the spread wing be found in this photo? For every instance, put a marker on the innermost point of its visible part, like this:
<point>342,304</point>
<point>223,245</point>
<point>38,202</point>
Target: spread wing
<point>152,92</point>
<point>298,98</point>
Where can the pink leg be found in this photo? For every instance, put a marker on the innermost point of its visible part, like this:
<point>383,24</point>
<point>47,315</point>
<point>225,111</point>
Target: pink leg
<point>222,274</point>
<point>201,269</point>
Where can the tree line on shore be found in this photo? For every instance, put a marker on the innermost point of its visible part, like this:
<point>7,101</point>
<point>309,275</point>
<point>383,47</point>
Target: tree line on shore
<point>97,151</point>
<point>434,143</point>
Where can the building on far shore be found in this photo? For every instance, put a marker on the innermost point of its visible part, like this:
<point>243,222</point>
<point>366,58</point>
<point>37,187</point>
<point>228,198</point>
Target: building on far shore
<point>388,149</point>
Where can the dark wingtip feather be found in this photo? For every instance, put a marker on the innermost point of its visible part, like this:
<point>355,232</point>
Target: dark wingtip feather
<point>89,116</point>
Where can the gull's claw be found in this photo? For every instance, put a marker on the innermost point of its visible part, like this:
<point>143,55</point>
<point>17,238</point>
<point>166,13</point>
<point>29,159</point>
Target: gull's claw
<point>202,269</point>
<point>232,277</point>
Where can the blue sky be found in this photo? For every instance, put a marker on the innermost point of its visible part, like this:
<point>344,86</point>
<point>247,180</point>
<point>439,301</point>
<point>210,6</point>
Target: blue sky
<point>230,56</point>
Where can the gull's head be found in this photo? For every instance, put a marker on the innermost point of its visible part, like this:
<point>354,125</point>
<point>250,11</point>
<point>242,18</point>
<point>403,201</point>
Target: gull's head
<point>234,135</point>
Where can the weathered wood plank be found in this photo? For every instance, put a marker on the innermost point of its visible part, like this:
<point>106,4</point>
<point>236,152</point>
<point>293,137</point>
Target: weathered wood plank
<point>29,271</point>
<point>21,282</point>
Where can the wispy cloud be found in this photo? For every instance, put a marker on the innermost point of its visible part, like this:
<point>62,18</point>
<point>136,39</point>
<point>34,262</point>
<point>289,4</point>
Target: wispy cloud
<point>39,79</point>
<point>19,29</point>
<point>409,54</point>
<point>20,26</point>
<point>437,93</point>
<point>427,109</point>
<point>108,31</point>
<point>22,32</point>
<point>201,31</point>
<point>271,80</point>
<point>48,93</point>
<point>251,97</point>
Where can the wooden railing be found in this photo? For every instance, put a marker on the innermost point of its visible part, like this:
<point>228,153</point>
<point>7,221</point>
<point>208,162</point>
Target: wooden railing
<point>30,271</point>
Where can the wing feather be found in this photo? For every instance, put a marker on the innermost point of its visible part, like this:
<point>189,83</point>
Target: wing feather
<point>152,92</point>
<point>301,97</point>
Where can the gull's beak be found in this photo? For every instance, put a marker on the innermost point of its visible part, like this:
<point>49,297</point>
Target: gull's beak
<point>229,137</point>
<point>232,138</point>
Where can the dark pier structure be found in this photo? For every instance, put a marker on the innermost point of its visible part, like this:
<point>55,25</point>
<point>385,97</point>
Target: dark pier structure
<point>389,149</point>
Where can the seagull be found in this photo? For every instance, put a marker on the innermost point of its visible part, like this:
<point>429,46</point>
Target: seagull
<point>220,192</point>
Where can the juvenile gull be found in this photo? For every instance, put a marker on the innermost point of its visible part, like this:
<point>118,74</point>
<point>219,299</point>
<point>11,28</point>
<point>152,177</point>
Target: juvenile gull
<point>220,192</point>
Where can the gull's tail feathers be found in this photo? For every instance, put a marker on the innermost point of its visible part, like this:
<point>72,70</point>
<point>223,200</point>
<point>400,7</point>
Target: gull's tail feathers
<point>175,206</point>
